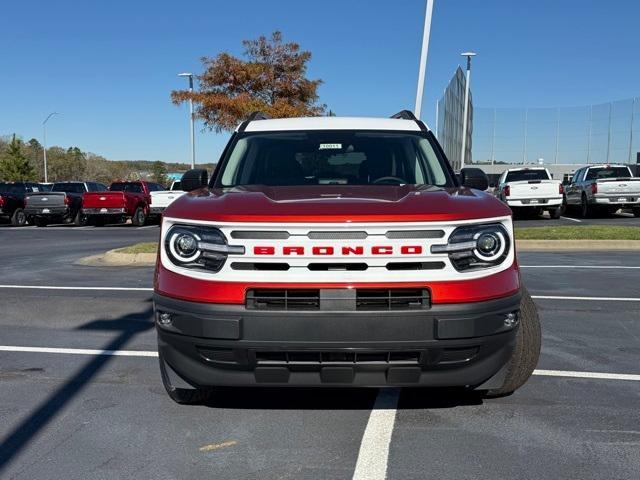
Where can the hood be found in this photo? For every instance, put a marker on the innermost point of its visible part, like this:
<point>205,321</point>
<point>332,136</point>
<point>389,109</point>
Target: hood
<point>337,203</point>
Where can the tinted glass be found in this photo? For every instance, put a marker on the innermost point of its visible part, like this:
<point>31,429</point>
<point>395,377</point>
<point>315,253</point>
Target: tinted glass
<point>611,172</point>
<point>525,175</point>
<point>68,187</point>
<point>126,187</point>
<point>176,186</point>
<point>333,158</point>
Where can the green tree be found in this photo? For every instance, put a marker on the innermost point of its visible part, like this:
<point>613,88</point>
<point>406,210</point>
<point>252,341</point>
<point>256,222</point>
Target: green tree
<point>272,80</point>
<point>34,152</point>
<point>65,165</point>
<point>159,173</point>
<point>14,165</point>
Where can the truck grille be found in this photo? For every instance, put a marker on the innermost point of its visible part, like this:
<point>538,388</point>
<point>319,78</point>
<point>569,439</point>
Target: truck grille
<point>337,358</point>
<point>360,299</point>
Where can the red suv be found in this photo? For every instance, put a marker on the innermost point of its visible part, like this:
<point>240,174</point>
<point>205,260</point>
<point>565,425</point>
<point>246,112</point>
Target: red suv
<point>340,252</point>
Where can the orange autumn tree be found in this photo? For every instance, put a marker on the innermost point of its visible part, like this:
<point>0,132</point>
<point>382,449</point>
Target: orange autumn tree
<point>271,79</point>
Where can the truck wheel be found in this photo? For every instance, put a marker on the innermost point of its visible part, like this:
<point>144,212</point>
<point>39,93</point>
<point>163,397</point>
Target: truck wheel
<point>585,210</point>
<point>139,217</point>
<point>41,222</point>
<point>555,213</point>
<point>80,220</point>
<point>18,219</point>
<point>527,350</point>
<point>182,396</point>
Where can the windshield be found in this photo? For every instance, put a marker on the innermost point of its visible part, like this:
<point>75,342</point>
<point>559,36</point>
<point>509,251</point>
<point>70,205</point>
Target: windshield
<point>333,158</point>
<point>525,175</point>
<point>608,172</point>
<point>68,187</point>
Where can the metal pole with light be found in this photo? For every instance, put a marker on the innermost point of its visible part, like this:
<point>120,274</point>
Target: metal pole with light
<point>44,144</point>
<point>423,57</point>
<point>466,107</point>
<point>192,119</point>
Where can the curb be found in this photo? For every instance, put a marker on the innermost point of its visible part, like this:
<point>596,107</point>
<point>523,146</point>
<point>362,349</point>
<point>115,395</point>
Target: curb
<point>113,258</point>
<point>576,245</point>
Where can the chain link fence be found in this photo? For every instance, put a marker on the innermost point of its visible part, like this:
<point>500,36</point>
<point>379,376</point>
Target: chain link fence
<point>604,133</point>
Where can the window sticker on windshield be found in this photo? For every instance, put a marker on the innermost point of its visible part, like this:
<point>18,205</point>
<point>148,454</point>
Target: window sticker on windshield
<point>330,146</point>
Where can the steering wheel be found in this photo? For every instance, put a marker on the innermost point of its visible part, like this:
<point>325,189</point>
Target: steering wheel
<point>388,180</point>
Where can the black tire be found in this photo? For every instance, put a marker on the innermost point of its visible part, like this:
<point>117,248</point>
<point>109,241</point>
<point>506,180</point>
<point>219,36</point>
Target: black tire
<point>18,219</point>
<point>555,213</point>
<point>585,210</point>
<point>41,222</point>
<point>525,355</point>
<point>80,220</point>
<point>139,217</point>
<point>182,396</point>
<point>636,211</point>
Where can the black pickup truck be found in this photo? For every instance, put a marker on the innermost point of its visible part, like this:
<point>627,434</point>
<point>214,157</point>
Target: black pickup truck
<point>63,204</point>
<point>12,195</point>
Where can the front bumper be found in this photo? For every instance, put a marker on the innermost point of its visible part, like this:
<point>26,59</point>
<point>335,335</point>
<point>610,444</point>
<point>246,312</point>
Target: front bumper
<point>104,211</point>
<point>536,202</point>
<point>229,345</point>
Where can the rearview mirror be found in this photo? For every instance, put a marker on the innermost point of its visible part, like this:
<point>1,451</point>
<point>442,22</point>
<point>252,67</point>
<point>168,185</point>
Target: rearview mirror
<point>194,179</point>
<point>474,178</point>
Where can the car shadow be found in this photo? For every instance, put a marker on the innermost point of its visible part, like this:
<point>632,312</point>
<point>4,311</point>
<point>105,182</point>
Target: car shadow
<point>125,328</point>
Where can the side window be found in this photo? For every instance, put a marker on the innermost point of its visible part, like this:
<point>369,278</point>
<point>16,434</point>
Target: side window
<point>134,188</point>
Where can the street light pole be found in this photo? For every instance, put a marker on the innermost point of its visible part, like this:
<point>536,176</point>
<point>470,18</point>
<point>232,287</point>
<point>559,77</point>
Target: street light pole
<point>466,107</point>
<point>192,119</point>
<point>423,57</point>
<point>44,144</point>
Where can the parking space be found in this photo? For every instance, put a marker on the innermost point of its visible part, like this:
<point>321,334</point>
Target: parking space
<point>87,402</point>
<point>623,219</point>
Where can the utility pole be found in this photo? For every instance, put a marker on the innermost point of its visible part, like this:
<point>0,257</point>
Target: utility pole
<point>191,119</point>
<point>423,57</point>
<point>633,109</point>
<point>466,107</point>
<point>44,144</point>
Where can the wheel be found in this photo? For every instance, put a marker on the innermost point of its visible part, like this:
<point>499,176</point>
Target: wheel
<point>80,219</point>
<point>183,396</point>
<point>585,210</point>
<point>18,219</point>
<point>555,213</point>
<point>139,217</point>
<point>41,222</point>
<point>525,355</point>
<point>636,211</point>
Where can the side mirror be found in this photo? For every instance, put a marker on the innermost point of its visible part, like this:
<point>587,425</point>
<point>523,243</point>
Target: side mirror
<point>474,178</point>
<point>194,179</point>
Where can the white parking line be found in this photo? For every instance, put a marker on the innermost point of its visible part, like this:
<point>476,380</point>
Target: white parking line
<point>572,219</point>
<point>374,448</point>
<point>594,375</point>
<point>105,289</point>
<point>587,299</point>
<point>80,351</point>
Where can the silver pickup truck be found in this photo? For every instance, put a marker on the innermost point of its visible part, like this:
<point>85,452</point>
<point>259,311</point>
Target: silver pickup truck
<point>603,189</point>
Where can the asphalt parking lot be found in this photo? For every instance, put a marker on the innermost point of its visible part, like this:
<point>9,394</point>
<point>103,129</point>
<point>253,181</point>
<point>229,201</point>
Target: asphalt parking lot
<point>72,409</point>
<point>622,219</point>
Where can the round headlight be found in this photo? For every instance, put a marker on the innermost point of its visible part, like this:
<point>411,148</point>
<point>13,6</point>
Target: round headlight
<point>184,246</point>
<point>489,245</point>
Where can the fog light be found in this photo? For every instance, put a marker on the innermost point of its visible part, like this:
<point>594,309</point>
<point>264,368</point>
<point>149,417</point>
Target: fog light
<point>511,320</point>
<point>164,318</point>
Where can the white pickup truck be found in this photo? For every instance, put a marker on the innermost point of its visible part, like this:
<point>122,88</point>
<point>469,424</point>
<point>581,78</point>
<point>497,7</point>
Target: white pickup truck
<point>163,198</point>
<point>604,189</point>
<point>532,189</point>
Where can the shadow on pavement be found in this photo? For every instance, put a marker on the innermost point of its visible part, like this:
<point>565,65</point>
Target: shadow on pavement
<point>129,326</point>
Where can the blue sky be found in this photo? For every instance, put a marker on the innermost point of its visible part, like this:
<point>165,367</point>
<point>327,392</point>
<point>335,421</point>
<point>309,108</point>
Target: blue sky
<point>109,67</point>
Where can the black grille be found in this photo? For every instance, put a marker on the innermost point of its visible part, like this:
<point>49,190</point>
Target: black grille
<point>268,266</point>
<point>415,265</point>
<point>319,267</point>
<point>392,299</point>
<point>283,299</point>
<point>337,358</point>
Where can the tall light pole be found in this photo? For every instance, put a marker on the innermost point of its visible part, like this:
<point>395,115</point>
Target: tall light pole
<point>423,57</point>
<point>192,119</point>
<point>44,144</point>
<point>466,106</point>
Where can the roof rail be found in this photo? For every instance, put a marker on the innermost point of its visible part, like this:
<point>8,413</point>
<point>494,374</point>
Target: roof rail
<point>408,115</point>
<point>405,115</point>
<point>251,118</point>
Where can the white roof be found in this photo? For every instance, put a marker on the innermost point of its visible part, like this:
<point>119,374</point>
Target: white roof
<point>331,123</point>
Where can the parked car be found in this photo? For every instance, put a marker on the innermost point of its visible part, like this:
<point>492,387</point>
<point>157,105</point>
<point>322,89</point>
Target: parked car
<point>531,189</point>
<point>161,199</point>
<point>123,200</point>
<point>340,252</point>
<point>63,204</point>
<point>12,195</point>
<point>603,189</point>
